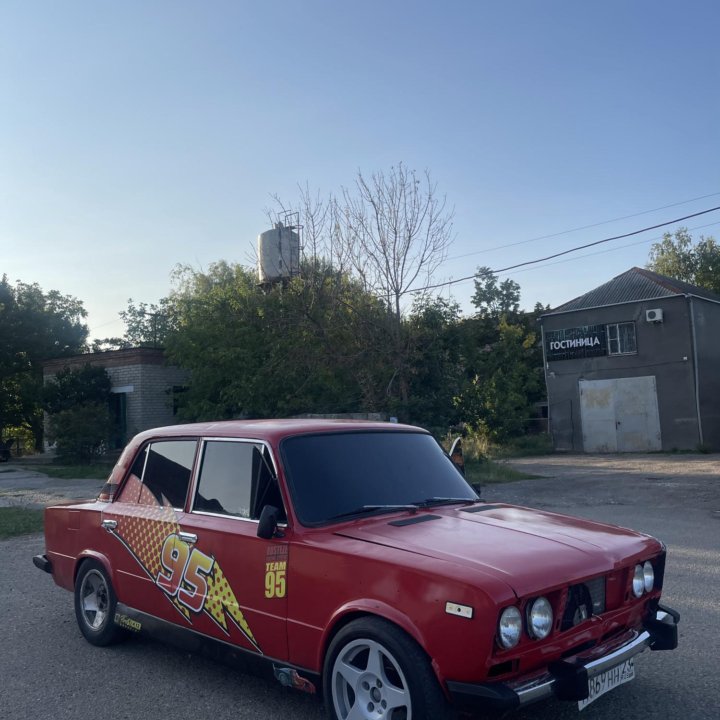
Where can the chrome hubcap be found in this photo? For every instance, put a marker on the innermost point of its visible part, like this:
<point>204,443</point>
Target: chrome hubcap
<point>368,684</point>
<point>94,599</point>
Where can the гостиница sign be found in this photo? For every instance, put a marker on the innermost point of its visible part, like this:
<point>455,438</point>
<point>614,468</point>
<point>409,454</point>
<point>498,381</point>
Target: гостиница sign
<point>577,342</point>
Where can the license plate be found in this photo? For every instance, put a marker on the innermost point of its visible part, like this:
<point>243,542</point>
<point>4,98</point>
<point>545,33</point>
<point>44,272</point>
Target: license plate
<point>606,681</point>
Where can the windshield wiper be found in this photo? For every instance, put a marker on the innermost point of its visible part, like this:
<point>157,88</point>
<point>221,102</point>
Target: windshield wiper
<point>446,501</point>
<point>412,507</point>
<point>371,508</point>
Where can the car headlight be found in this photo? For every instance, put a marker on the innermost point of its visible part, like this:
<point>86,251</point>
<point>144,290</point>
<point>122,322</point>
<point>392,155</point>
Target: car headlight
<point>510,627</point>
<point>540,618</point>
<point>638,583</point>
<point>648,576</point>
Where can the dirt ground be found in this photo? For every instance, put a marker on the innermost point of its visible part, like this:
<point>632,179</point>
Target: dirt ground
<point>689,481</point>
<point>25,485</point>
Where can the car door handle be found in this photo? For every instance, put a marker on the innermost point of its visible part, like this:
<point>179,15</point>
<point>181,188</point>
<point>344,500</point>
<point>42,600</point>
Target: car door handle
<point>187,537</point>
<point>109,524</point>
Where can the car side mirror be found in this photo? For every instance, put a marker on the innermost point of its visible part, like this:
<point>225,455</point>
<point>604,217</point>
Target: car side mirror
<point>267,525</point>
<point>456,455</point>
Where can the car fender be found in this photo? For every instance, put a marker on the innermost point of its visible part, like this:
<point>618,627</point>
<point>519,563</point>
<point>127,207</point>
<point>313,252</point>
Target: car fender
<point>89,554</point>
<point>363,607</point>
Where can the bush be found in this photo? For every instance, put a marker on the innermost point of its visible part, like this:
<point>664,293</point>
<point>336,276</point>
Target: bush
<point>80,433</point>
<point>478,446</point>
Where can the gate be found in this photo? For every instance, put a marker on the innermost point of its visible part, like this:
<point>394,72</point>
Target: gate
<point>620,415</point>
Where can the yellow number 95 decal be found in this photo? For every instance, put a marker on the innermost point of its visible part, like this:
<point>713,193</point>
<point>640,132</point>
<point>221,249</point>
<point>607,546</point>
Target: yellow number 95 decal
<point>275,579</point>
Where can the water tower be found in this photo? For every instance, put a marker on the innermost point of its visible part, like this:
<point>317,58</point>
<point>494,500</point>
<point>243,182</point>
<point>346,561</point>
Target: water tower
<point>279,253</point>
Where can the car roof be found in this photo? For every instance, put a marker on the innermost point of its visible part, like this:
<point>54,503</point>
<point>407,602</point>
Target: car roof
<point>272,431</point>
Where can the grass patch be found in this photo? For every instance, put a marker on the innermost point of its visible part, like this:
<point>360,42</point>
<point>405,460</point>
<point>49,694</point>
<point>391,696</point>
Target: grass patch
<point>485,472</point>
<point>525,446</point>
<point>76,472</point>
<point>479,447</point>
<point>19,521</point>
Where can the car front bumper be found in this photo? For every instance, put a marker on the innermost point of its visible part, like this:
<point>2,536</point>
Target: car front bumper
<point>567,679</point>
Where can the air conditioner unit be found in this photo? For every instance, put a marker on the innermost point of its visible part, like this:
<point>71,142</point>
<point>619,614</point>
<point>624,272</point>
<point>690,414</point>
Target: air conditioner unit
<point>654,316</point>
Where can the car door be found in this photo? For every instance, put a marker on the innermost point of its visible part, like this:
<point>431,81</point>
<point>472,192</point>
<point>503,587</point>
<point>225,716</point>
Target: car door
<point>243,577</point>
<point>142,526</point>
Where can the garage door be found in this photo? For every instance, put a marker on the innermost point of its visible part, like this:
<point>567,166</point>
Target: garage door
<point>620,415</point>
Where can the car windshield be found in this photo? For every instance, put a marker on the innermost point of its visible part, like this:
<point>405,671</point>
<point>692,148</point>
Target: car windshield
<point>337,475</point>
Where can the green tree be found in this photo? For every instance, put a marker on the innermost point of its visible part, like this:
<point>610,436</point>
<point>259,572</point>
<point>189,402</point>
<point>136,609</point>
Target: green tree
<point>435,367</point>
<point>77,403</point>
<point>80,433</point>
<point>300,347</point>
<point>34,326</point>
<point>498,401</point>
<point>694,262</point>
<point>70,388</point>
<point>502,360</point>
<point>146,325</point>
<point>492,299</point>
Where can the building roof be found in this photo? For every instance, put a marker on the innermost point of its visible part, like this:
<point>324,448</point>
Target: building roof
<point>106,359</point>
<point>634,285</point>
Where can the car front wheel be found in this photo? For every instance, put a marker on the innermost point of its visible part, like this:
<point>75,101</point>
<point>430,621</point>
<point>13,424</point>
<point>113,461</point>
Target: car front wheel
<point>374,671</point>
<point>95,603</point>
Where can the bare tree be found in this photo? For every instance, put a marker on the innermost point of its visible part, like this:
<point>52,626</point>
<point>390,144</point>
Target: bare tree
<point>392,232</point>
<point>395,232</point>
<point>318,222</point>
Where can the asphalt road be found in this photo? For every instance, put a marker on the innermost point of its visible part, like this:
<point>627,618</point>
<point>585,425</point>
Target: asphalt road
<point>23,484</point>
<point>47,670</point>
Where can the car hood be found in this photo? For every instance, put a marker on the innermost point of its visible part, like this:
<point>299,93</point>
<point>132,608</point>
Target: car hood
<point>528,549</point>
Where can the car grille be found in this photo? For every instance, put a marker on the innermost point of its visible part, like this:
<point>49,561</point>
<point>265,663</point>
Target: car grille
<point>583,601</point>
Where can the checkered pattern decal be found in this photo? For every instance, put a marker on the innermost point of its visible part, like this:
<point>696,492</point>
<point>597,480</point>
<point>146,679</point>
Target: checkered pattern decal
<point>145,533</point>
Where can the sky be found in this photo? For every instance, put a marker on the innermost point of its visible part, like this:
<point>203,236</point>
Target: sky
<point>136,135</point>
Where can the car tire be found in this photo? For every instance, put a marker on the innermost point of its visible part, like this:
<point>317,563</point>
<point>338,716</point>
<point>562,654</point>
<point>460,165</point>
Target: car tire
<point>95,603</point>
<point>376,671</point>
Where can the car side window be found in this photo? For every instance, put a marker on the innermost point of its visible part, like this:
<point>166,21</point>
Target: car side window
<point>236,479</point>
<point>130,490</point>
<point>167,472</point>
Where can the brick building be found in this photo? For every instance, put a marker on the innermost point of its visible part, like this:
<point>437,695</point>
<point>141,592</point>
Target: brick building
<point>143,390</point>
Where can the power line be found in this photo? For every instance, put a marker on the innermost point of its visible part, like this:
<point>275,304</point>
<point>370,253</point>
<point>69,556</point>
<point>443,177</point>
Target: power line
<point>599,242</point>
<point>571,250</point>
<point>620,247</point>
<point>582,227</point>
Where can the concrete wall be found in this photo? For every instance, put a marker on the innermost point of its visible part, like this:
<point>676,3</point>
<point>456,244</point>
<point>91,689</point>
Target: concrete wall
<point>707,331</point>
<point>664,350</point>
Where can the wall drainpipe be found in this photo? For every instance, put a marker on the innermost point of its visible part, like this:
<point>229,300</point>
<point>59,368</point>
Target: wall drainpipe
<point>547,387</point>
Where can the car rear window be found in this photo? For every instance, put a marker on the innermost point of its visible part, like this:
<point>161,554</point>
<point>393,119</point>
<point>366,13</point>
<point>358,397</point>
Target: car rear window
<point>168,469</point>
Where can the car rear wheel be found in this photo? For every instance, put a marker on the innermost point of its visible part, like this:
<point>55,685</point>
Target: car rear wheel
<point>95,603</point>
<point>374,671</point>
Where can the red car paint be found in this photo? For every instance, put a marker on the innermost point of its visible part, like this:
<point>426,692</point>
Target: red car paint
<point>293,591</point>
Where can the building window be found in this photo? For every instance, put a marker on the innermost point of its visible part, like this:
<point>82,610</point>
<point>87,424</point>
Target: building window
<point>118,416</point>
<point>177,393</point>
<point>621,339</point>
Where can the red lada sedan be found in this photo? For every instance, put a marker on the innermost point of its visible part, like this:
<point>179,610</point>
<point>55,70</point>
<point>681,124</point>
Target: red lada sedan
<point>354,557</point>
